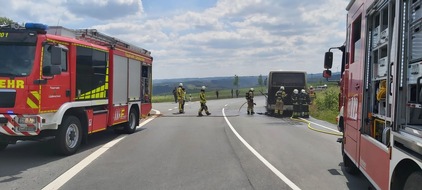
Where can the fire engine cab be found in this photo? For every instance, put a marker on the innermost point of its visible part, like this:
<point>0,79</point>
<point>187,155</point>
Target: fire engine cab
<point>65,84</point>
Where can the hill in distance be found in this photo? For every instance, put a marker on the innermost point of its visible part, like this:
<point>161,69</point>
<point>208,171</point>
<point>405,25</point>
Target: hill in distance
<point>166,86</point>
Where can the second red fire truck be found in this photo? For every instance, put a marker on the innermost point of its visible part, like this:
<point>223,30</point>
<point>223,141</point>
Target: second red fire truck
<point>65,84</point>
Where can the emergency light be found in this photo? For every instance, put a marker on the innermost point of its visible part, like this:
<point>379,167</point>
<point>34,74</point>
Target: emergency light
<point>36,26</point>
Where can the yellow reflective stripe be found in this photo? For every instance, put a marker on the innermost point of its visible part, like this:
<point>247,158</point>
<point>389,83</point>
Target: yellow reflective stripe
<point>36,95</point>
<point>30,103</point>
<point>98,130</point>
<point>99,92</point>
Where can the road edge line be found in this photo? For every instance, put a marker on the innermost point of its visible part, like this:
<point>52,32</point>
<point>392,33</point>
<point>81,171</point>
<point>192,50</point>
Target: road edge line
<point>260,157</point>
<point>73,171</point>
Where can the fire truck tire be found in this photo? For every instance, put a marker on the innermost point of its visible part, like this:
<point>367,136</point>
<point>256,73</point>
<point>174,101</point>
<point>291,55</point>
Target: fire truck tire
<point>130,126</point>
<point>3,146</point>
<point>413,181</point>
<point>69,136</point>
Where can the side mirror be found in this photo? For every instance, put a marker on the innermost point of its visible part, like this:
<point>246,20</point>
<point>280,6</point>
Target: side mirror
<point>326,74</point>
<point>51,70</point>
<point>328,60</point>
<point>56,55</point>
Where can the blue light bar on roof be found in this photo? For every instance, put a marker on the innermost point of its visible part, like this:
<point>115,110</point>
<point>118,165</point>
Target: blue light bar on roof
<point>36,26</point>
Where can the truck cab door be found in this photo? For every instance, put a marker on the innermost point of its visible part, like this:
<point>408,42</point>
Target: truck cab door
<point>353,81</point>
<point>55,90</point>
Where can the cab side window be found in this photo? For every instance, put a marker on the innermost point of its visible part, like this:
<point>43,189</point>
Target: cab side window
<point>356,40</point>
<point>47,57</point>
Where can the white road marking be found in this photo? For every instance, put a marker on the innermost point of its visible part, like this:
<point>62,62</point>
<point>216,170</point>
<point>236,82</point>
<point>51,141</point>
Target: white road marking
<point>69,174</point>
<point>321,125</point>
<point>170,109</point>
<point>226,105</point>
<point>261,158</point>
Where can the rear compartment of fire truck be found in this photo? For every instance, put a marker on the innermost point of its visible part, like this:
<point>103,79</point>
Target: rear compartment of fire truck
<point>393,83</point>
<point>394,74</point>
<point>409,112</point>
<point>377,82</point>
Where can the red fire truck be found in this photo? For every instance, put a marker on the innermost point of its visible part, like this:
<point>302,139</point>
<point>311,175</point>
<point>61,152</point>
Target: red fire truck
<point>65,84</point>
<point>381,92</point>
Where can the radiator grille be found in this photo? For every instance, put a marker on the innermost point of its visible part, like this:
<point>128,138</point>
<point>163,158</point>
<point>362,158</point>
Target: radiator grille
<point>7,99</point>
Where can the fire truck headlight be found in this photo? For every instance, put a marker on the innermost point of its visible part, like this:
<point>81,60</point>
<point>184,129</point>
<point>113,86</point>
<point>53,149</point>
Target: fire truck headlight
<point>27,120</point>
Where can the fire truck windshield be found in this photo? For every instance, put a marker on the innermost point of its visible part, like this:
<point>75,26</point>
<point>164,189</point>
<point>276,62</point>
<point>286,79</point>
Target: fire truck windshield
<point>16,59</point>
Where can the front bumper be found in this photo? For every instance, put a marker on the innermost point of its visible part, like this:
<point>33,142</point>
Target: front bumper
<point>9,125</point>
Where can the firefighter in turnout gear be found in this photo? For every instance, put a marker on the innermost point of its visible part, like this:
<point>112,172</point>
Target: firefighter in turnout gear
<point>180,97</point>
<point>184,99</point>
<point>249,99</point>
<point>280,95</point>
<point>312,94</point>
<point>203,102</point>
<point>304,102</point>
<point>295,102</point>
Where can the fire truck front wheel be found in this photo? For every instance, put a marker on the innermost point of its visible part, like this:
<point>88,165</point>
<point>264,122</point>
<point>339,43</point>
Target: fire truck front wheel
<point>69,136</point>
<point>413,181</point>
<point>130,126</point>
<point>3,146</point>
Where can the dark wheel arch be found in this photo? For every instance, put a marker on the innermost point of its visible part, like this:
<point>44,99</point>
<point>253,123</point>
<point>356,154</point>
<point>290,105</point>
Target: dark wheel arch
<point>402,172</point>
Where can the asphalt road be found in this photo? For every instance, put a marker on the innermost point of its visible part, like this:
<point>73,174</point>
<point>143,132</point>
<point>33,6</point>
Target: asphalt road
<point>183,151</point>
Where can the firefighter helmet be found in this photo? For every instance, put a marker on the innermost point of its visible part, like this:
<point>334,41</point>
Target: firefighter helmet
<point>203,88</point>
<point>180,84</point>
<point>303,91</point>
<point>281,87</point>
<point>251,89</point>
<point>295,91</point>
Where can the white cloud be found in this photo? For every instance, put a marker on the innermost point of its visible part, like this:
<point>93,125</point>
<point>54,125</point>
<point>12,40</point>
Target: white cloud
<point>243,37</point>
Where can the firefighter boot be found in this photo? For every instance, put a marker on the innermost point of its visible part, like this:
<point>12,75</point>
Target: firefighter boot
<point>208,113</point>
<point>200,114</point>
<point>248,112</point>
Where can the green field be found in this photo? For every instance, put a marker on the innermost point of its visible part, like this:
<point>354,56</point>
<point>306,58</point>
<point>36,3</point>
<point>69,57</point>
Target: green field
<point>210,95</point>
<point>324,107</point>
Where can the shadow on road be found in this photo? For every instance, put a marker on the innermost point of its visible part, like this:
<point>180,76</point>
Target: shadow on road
<point>25,155</point>
<point>354,182</point>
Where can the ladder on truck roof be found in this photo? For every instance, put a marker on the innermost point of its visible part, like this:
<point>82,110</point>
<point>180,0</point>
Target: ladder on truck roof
<point>95,37</point>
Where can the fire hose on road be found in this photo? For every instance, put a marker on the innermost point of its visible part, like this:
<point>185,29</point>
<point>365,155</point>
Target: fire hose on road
<point>317,130</point>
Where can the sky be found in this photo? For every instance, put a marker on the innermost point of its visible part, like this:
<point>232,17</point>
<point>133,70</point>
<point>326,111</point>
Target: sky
<point>205,38</point>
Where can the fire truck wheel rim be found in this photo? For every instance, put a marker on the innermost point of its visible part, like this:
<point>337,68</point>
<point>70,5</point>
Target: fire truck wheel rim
<point>72,135</point>
<point>132,120</point>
